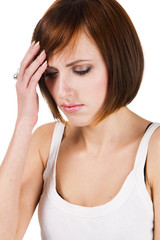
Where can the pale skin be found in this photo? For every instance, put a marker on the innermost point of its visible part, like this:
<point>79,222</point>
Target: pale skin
<point>81,153</point>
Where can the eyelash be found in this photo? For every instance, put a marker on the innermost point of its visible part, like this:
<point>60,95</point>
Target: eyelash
<point>50,75</point>
<point>53,74</point>
<point>83,72</point>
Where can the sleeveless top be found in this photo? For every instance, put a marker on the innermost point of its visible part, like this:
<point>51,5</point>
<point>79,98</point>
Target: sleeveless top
<point>128,216</point>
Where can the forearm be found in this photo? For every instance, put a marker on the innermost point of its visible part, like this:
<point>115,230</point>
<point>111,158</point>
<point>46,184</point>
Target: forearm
<point>11,172</point>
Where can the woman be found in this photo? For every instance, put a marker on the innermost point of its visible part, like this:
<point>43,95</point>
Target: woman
<point>96,175</point>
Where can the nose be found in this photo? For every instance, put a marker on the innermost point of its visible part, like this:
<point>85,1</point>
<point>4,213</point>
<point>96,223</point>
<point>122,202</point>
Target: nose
<point>65,88</point>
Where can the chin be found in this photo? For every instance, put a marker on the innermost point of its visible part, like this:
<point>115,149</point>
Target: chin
<point>79,122</point>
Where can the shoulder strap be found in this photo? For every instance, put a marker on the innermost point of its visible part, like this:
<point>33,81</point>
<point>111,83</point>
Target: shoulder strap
<point>143,147</point>
<point>54,148</point>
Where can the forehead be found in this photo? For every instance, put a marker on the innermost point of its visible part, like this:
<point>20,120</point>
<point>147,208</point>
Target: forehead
<point>82,48</point>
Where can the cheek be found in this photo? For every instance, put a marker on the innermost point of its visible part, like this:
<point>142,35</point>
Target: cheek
<point>100,87</point>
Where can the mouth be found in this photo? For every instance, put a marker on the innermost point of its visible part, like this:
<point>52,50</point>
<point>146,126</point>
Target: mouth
<point>69,108</point>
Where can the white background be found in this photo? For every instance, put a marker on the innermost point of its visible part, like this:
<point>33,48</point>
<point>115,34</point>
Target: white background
<point>17,21</point>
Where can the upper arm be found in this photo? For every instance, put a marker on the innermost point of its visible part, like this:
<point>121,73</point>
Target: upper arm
<point>32,181</point>
<point>153,163</point>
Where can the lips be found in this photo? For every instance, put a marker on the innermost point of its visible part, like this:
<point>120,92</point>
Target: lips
<point>71,107</point>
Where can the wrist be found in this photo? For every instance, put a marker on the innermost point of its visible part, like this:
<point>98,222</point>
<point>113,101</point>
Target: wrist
<point>24,124</point>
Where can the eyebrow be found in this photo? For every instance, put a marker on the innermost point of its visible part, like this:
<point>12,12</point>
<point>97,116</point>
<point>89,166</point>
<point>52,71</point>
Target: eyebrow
<point>75,62</point>
<point>70,64</point>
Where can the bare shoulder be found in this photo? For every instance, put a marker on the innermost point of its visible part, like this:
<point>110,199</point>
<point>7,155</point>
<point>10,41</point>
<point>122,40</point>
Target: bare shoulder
<point>153,166</point>
<point>42,138</point>
<point>153,160</point>
<point>155,139</point>
<point>44,130</point>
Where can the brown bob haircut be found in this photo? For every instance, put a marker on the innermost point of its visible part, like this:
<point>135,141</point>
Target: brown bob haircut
<point>111,29</point>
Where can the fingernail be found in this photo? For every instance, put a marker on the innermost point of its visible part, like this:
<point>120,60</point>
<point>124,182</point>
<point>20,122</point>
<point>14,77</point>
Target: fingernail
<point>44,63</point>
<point>36,45</point>
<point>33,43</point>
<point>42,53</point>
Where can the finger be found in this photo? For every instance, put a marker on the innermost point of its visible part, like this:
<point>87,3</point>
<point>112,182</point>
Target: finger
<point>37,75</point>
<point>29,72</point>
<point>28,58</point>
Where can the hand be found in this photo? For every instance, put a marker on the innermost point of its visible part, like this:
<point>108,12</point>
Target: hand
<point>29,74</point>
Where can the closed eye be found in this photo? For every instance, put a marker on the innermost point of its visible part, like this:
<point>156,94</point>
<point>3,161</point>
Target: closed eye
<point>82,72</point>
<point>50,74</point>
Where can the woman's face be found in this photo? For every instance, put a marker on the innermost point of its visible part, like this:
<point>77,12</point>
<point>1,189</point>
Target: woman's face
<point>77,81</point>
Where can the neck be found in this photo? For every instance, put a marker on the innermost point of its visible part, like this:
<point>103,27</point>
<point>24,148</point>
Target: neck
<point>111,131</point>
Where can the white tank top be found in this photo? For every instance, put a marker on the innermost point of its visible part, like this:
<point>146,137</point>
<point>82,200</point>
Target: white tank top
<point>128,216</point>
